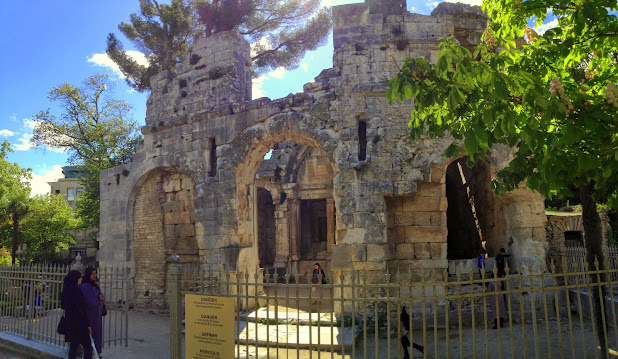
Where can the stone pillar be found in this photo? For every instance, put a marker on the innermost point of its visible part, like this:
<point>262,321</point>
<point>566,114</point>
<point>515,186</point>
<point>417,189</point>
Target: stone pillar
<point>173,287</point>
<point>77,264</point>
<point>294,226</point>
<point>524,216</point>
<point>330,223</point>
<point>282,233</point>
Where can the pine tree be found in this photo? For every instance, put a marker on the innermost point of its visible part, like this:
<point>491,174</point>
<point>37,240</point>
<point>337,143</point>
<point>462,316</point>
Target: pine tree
<point>280,33</point>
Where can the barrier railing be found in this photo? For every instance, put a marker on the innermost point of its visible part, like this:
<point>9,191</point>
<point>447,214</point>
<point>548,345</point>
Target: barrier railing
<point>30,302</point>
<point>526,314</point>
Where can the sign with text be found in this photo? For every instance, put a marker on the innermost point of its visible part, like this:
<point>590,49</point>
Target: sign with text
<point>209,327</point>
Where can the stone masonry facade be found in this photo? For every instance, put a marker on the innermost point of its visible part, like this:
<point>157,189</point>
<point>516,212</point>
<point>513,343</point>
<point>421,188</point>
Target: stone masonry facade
<point>348,189</point>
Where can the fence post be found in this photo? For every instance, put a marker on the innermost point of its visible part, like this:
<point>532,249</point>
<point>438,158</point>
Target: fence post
<point>174,280</point>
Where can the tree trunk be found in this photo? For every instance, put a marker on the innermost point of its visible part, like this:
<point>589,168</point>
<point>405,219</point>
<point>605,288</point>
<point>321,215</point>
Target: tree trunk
<point>15,233</point>
<point>594,248</point>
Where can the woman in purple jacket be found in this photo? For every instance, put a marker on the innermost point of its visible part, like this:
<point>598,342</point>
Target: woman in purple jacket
<point>95,300</point>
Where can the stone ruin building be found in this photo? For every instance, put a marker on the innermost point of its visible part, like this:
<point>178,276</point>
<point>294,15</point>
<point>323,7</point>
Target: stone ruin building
<point>344,185</point>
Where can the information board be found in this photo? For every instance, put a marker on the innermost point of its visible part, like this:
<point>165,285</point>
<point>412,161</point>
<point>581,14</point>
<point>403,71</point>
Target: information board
<point>209,327</point>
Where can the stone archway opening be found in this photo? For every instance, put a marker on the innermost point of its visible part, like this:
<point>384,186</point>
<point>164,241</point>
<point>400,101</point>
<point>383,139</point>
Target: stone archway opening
<point>163,224</point>
<point>294,182</point>
<point>469,206</point>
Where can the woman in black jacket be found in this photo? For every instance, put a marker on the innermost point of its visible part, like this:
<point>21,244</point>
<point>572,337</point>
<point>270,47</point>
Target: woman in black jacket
<point>74,305</point>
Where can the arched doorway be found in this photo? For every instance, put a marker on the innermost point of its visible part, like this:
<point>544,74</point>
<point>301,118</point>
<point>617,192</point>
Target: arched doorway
<point>163,223</point>
<point>295,183</point>
<point>470,202</point>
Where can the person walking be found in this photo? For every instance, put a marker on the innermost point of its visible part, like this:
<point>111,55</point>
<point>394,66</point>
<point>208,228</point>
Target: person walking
<point>95,300</point>
<point>77,326</point>
<point>404,320</point>
<point>315,279</point>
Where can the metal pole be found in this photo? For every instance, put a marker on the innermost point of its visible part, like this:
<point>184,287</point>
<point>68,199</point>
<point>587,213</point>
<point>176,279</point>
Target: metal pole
<point>174,278</point>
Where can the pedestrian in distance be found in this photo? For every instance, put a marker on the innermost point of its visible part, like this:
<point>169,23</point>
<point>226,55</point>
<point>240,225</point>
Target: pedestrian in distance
<point>95,300</point>
<point>497,302</point>
<point>404,319</point>
<point>77,326</point>
<point>501,262</point>
<point>480,263</point>
<point>315,279</point>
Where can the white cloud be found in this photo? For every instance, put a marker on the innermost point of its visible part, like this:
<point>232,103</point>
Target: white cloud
<point>278,73</point>
<point>263,41</point>
<point>6,133</point>
<point>38,182</point>
<point>24,142</point>
<point>304,66</point>
<point>103,60</point>
<point>256,89</point>
<point>432,4</point>
<point>30,124</point>
<point>550,25</point>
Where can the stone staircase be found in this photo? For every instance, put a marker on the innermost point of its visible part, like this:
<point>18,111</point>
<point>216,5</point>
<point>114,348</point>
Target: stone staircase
<point>292,328</point>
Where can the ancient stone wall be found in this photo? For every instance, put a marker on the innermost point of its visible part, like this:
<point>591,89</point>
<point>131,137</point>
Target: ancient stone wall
<point>384,197</point>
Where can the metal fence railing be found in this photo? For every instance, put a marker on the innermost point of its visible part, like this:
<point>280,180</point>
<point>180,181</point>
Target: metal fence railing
<point>30,302</point>
<point>576,259</point>
<point>451,315</point>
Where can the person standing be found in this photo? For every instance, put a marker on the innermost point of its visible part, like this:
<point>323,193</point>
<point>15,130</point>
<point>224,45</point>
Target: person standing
<point>480,263</point>
<point>315,279</point>
<point>501,262</point>
<point>95,300</point>
<point>497,302</point>
<point>77,325</point>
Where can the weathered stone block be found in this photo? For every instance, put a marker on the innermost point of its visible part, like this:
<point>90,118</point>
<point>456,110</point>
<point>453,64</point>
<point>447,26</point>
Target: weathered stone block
<point>404,251</point>
<point>438,250</point>
<point>416,234</point>
<point>423,204</point>
<point>422,251</point>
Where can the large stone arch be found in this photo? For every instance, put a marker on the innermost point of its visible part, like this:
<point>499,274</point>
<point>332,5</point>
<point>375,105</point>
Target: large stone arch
<point>162,223</point>
<point>249,154</point>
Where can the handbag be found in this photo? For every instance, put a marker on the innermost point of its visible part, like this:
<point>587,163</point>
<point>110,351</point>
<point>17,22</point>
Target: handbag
<point>62,326</point>
<point>104,313</point>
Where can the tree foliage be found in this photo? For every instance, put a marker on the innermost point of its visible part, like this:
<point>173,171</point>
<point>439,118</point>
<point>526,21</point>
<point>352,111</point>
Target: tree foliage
<point>5,257</point>
<point>553,99</point>
<point>280,32</point>
<point>96,129</point>
<point>14,197</point>
<point>162,32</point>
<point>46,228</point>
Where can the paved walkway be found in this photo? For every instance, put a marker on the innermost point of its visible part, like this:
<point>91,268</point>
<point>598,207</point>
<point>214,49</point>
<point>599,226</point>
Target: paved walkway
<point>149,337</point>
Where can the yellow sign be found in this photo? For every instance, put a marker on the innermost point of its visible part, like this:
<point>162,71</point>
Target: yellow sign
<point>209,327</point>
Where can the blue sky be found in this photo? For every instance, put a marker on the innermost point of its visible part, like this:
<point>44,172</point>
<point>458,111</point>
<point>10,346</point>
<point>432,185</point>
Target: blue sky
<point>46,43</point>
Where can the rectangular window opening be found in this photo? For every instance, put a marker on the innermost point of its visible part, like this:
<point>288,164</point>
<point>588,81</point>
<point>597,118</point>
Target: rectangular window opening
<point>362,140</point>
<point>213,158</point>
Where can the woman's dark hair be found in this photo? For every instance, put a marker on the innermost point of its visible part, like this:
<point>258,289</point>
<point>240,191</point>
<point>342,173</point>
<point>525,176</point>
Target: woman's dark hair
<point>71,279</point>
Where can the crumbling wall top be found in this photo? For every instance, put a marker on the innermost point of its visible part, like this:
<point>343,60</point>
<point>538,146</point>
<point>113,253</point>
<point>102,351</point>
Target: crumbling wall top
<point>217,71</point>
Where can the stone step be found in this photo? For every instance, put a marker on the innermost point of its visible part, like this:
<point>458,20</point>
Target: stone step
<point>285,315</point>
<point>295,336</point>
